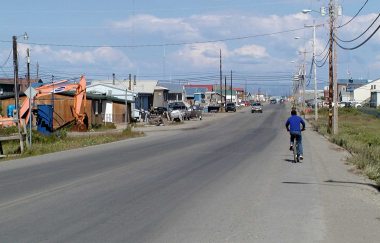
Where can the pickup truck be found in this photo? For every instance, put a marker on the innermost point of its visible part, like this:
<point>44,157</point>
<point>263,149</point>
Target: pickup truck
<point>179,106</point>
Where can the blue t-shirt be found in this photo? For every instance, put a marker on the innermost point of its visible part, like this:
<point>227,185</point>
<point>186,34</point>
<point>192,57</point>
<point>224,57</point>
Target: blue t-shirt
<point>294,123</point>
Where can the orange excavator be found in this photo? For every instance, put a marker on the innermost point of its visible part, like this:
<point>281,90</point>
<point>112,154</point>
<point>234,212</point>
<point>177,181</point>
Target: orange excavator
<point>80,119</point>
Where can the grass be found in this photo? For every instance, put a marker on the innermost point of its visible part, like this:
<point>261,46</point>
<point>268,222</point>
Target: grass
<point>359,133</point>
<point>59,141</point>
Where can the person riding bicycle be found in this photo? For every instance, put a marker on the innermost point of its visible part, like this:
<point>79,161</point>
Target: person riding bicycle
<point>294,125</point>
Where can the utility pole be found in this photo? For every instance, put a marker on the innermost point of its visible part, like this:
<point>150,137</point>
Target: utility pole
<point>126,100</point>
<point>335,94</point>
<point>334,11</point>
<point>15,75</point>
<point>221,77</point>
<point>315,78</point>
<point>225,92</point>
<point>314,26</point>
<point>16,87</point>
<point>38,70</point>
<point>245,91</point>
<point>30,98</point>
<point>130,82</point>
<point>331,67</point>
<point>231,86</point>
<point>302,82</point>
<point>52,97</point>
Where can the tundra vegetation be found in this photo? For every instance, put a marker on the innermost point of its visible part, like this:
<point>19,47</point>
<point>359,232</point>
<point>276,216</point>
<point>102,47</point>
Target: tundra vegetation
<point>359,133</point>
<point>60,141</point>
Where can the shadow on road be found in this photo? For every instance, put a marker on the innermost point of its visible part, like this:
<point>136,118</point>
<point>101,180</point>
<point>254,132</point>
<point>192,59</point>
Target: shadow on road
<point>298,183</point>
<point>356,183</point>
<point>292,161</point>
<point>333,183</point>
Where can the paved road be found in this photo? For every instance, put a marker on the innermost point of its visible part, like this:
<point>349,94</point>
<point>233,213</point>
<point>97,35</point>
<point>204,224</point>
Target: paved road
<point>229,181</point>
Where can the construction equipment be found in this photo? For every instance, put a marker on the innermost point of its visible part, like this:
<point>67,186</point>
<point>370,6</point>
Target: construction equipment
<point>80,119</point>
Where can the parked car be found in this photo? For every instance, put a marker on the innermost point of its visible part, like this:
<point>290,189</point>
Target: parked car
<point>180,106</point>
<point>230,107</point>
<point>256,107</point>
<point>176,115</point>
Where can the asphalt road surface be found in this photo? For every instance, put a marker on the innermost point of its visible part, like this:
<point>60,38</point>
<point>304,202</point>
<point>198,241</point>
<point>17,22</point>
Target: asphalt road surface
<point>230,181</point>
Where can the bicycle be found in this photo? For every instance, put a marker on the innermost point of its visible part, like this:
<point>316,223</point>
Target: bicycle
<point>295,150</point>
<point>296,156</point>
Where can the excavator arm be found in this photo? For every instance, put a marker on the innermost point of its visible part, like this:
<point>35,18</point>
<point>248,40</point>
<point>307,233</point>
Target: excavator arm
<point>58,87</point>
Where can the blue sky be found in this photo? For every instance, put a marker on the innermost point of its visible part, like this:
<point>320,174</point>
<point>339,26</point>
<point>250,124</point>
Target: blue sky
<point>177,40</point>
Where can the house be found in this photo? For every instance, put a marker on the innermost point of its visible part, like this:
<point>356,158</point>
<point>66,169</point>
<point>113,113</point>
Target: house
<point>175,91</point>
<point>375,96</point>
<point>240,93</point>
<point>7,86</point>
<point>144,90</point>
<point>112,90</point>
<point>346,88</point>
<point>196,93</point>
<point>362,94</point>
<point>160,96</point>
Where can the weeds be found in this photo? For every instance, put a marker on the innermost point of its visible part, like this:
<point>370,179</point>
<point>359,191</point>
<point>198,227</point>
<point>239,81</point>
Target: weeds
<point>59,141</point>
<point>359,133</point>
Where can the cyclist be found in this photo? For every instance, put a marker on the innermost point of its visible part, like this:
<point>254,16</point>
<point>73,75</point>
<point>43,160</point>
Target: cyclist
<point>295,125</point>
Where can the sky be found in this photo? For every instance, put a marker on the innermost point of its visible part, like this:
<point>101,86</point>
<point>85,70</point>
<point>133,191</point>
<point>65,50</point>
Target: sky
<point>263,43</point>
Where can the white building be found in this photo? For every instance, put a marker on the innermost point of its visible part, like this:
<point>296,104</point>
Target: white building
<point>112,89</point>
<point>363,93</point>
<point>375,96</point>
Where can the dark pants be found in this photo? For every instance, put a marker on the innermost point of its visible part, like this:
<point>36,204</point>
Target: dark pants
<point>298,137</point>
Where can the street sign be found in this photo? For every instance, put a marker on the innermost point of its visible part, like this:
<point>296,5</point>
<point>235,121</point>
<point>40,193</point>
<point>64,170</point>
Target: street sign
<point>30,92</point>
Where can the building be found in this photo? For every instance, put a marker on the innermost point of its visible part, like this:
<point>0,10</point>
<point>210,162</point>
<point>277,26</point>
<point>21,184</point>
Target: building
<point>196,93</point>
<point>160,96</point>
<point>113,92</point>
<point>375,96</point>
<point>346,88</point>
<point>175,93</point>
<point>144,90</point>
<point>7,86</point>
<point>362,94</point>
<point>240,94</point>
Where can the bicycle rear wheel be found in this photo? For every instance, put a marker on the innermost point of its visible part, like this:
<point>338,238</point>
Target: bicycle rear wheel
<point>295,157</point>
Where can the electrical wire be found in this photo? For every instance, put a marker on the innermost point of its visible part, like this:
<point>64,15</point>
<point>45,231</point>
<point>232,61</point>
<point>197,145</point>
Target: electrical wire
<point>6,61</point>
<point>323,64</point>
<point>356,47</point>
<point>165,44</point>
<point>326,48</point>
<point>323,60</point>
<point>354,15</point>
<point>335,36</point>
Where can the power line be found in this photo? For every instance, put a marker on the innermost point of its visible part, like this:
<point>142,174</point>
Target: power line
<point>356,47</point>
<point>336,37</point>
<point>326,47</point>
<point>354,15</point>
<point>165,44</point>
<point>6,61</point>
<point>323,60</point>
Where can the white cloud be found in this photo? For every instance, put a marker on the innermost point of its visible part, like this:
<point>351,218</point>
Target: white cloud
<point>176,28</point>
<point>98,56</point>
<point>253,51</point>
<point>201,55</point>
<point>208,55</point>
